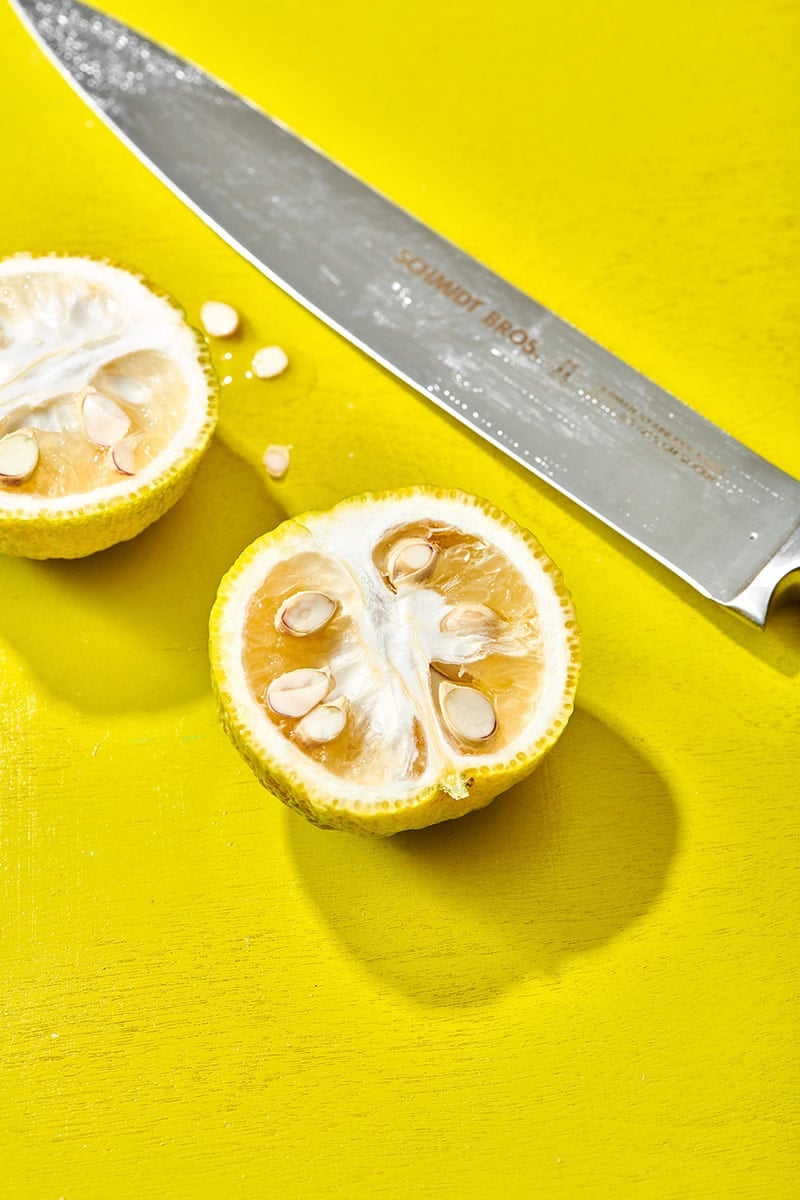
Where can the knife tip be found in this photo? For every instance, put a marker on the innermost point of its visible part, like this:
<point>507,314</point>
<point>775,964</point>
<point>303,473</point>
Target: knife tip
<point>38,13</point>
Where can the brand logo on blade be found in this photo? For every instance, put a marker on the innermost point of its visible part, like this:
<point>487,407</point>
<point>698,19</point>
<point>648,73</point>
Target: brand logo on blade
<point>464,298</point>
<point>564,371</point>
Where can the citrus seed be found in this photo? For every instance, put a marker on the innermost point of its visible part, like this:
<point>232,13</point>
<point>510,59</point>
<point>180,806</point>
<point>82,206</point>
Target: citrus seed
<point>104,422</point>
<point>297,692</point>
<point>468,713</point>
<point>19,456</point>
<point>323,724</point>
<point>469,618</point>
<point>410,561</point>
<point>123,456</point>
<point>276,460</point>
<point>305,613</point>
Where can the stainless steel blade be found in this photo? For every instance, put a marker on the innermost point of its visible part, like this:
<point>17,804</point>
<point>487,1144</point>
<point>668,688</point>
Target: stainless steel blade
<point>696,499</point>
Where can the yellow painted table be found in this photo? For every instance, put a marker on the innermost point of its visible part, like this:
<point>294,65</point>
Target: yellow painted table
<point>587,990</point>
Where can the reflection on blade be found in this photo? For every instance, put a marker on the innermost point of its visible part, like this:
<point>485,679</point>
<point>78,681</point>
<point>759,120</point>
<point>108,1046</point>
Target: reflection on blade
<point>696,499</point>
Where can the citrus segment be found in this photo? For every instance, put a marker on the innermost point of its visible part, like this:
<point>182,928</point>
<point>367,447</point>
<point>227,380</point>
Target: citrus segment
<point>432,662</point>
<point>103,373</point>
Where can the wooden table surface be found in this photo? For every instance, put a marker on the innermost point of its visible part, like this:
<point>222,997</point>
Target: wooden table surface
<point>590,988</point>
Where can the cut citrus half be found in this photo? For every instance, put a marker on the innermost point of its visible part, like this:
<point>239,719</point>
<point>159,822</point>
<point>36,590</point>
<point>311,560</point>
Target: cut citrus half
<point>107,404</point>
<point>395,661</point>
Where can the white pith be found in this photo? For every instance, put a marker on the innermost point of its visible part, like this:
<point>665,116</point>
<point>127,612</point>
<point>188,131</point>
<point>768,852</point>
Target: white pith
<point>403,630</point>
<point>50,359</point>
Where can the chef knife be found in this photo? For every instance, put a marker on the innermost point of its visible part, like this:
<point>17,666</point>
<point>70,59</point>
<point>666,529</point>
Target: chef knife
<point>697,500</point>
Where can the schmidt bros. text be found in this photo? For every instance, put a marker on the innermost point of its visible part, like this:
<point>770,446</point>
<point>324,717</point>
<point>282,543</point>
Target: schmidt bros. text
<point>461,296</point>
<point>563,370</point>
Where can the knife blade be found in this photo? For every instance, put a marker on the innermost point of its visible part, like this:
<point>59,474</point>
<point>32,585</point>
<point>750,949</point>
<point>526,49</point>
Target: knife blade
<point>696,499</point>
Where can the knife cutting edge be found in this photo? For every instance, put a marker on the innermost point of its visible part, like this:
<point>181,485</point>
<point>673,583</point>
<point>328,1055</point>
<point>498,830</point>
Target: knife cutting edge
<point>717,514</point>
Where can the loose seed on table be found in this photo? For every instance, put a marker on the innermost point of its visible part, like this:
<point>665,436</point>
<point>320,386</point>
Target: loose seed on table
<point>276,460</point>
<point>219,320</point>
<point>270,361</point>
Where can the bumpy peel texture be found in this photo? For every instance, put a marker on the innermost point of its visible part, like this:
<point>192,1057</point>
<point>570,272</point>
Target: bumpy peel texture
<point>436,664</point>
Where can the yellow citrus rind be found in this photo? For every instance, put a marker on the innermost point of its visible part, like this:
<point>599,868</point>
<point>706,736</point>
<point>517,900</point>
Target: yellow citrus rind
<point>94,522</point>
<point>385,814</point>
